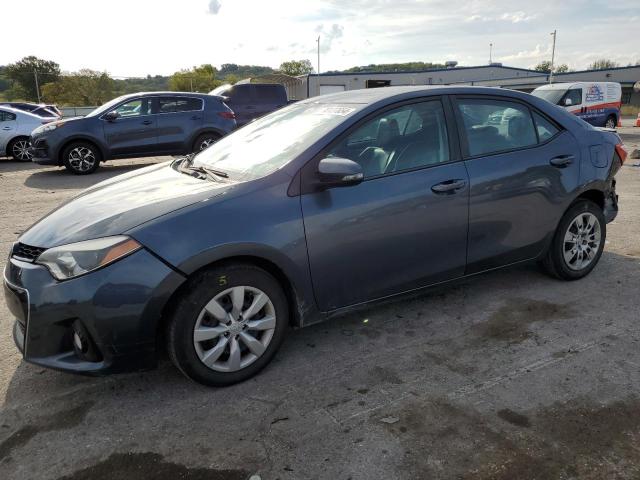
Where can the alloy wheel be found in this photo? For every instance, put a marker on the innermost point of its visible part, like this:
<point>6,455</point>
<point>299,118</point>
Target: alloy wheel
<point>82,159</point>
<point>234,329</point>
<point>582,241</point>
<point>206,143</point>
<point>20,150</point>
<point>611,123</point>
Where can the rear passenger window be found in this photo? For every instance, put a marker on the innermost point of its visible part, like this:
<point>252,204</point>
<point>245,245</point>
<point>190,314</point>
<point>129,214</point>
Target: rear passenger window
<point>383,145</point>
<point>545,128</point>
<point>6,116</point>
<point>495,125</point>
<point>188,104</point>
<point>268,93</point>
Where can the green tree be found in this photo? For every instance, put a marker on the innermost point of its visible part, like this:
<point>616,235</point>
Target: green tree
<point>198,79</point>
<point>603,64</point>
<point>83,88</point>
<point>23,74</point>
<point>296,67</point>
<point>546,67</point>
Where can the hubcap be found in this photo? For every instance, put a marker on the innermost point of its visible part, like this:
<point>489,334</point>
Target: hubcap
<point>207,142</point>
<point>610,123</point>
<point>234,329</point>
<point>21,151</point>
<point>582,241</point>
<point>82,159</point>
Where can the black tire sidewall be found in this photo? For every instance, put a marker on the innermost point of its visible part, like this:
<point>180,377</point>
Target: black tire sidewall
<point>93,148</point>
<point>202,138</point>
<point>10,149</point>
<point>557,256</point>
<point>199,290</point>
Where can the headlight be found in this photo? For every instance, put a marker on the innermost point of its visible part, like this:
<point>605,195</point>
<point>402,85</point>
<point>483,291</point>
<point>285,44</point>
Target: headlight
<point>68,261</point>
<point>47,127</point>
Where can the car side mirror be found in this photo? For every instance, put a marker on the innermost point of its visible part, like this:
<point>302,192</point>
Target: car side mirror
<point>111,116</point>
<point>568,102</point>
<point>339,172</point>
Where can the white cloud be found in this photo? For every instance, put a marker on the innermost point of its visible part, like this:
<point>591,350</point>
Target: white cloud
<point>328,36</point>
<point>214,7</point>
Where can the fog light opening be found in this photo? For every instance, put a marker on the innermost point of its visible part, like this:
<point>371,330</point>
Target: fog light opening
<point>83,345</point>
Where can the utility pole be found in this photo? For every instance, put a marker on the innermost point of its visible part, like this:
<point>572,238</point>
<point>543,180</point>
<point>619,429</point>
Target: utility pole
<point>553,55</point>
<point>318,40</point>
<point>191,80</point>
<point>490,53</point>
<point>35,75</point>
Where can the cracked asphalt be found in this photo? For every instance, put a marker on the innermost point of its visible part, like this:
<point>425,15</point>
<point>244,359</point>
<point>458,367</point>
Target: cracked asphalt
<point>508,375</point>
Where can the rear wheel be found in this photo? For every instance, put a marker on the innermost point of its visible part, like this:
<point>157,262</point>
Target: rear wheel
<point>204,141</point>
<point>228,324</point>
<point>578,242</point>
<point>81,158</point>
<point>611,122</point>
<point>18,149</point>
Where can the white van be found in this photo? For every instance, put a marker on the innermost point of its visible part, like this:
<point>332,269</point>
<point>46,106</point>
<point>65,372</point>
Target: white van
<point>595,102</point>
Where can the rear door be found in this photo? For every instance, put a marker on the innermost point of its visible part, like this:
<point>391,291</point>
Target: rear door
<point>523,169</point>
<point>178,119</point>
<point>8,127</point>
<point>404,226</point>
<point>135,131</point>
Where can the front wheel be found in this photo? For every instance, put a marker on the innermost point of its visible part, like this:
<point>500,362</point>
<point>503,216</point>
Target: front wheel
<point>81,158</point>
<point>578,242</point>
<point>227,325</point>
<point>611,122</point>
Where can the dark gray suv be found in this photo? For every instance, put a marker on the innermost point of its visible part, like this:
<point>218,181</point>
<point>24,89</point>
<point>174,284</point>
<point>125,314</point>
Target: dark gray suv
<point>135,125</point>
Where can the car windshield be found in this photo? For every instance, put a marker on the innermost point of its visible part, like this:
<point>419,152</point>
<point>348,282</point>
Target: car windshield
<point>100,110</point>
<point>271,142</point>
<point>551,96</point>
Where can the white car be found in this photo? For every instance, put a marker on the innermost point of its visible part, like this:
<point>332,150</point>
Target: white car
<point>15,129</point>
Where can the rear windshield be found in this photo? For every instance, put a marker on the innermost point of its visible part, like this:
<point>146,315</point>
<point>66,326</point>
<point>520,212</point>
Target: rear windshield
<point>271,142</point>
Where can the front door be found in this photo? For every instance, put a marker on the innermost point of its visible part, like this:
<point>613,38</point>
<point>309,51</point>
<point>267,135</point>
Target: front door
<point>8,126</point>
<point>134,132</point>
<point>405,225</point>
<point>523,170</point>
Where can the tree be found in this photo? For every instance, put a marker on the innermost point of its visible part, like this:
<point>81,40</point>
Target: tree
<point>198,79</point>
<point>545,67</point>
<point>603,64</point>
<point>24,73</point>
<point>83,88</point>
<point>296,67</point>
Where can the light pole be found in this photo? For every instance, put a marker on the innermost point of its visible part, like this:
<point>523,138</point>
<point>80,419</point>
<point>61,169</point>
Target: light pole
<point>553,55</point>
<point>490,53</point>
<point>318,40</point>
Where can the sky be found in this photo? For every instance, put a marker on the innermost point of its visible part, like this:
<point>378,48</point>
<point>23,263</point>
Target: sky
<point>130,38</point>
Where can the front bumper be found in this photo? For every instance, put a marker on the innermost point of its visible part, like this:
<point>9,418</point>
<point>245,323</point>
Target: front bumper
<point>41,151</point>
<point>118,306</point>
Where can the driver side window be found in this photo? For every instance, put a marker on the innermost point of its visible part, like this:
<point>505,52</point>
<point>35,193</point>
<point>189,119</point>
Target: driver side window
<point>404,138</point>
<point>134,108</point>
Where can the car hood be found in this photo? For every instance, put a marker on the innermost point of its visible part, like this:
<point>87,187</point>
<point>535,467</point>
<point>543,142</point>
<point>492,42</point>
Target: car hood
<point>114,206</point>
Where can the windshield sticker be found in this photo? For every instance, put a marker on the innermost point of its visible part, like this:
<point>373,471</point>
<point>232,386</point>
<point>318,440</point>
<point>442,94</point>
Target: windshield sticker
<point>334,110</point>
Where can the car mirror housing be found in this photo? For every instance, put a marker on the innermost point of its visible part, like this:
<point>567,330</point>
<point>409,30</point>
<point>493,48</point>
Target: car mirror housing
<point>339,172</point>
<point>111,116</point>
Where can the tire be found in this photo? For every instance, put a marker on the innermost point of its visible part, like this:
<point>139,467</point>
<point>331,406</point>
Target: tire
<point>204,141</point>
<point>574,253</point>
<point>17,149</point>
<point>611,122</point>
<point>81,158</point>
<point>235,348</point>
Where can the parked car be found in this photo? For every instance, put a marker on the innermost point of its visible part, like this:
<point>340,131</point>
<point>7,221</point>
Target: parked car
<point>597,103</point>
<point>15,128</point>
<point>252,100</point>
<point>326,205</point>
<point>135,125</point>
<point>42,110</point>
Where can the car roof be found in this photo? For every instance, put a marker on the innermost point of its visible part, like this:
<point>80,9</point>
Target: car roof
<point>369,96</point>
<point>173,94</point>
<point>18,111</point>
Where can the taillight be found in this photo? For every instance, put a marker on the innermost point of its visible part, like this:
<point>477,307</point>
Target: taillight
<point>227,115</point>
<point>622,152</point>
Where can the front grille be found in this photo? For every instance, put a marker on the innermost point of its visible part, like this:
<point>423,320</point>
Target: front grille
<point>26,252</point>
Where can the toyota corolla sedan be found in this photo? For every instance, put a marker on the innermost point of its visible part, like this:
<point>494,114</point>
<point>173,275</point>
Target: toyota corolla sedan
<point>328,204</point>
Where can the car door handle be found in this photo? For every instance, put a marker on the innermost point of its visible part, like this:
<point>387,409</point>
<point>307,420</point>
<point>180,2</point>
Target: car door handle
<point>562,161</point>
<point>147,122</point>
<point>449,186</point>
<point>6,128</point>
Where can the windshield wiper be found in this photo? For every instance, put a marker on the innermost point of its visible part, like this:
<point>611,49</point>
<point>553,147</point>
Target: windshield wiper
<point>206,171</point>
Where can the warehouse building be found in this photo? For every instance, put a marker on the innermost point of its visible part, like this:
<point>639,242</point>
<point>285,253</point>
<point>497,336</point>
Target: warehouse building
<point>494,75</point>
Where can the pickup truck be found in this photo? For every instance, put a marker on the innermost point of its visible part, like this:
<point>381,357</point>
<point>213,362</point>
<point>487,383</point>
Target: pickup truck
<point>252,100</point>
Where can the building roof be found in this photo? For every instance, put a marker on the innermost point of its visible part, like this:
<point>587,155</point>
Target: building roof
<point>430,70</point>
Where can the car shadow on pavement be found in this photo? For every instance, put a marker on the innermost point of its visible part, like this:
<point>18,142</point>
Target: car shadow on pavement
<point>9,165</point>
<point>59,178</point>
